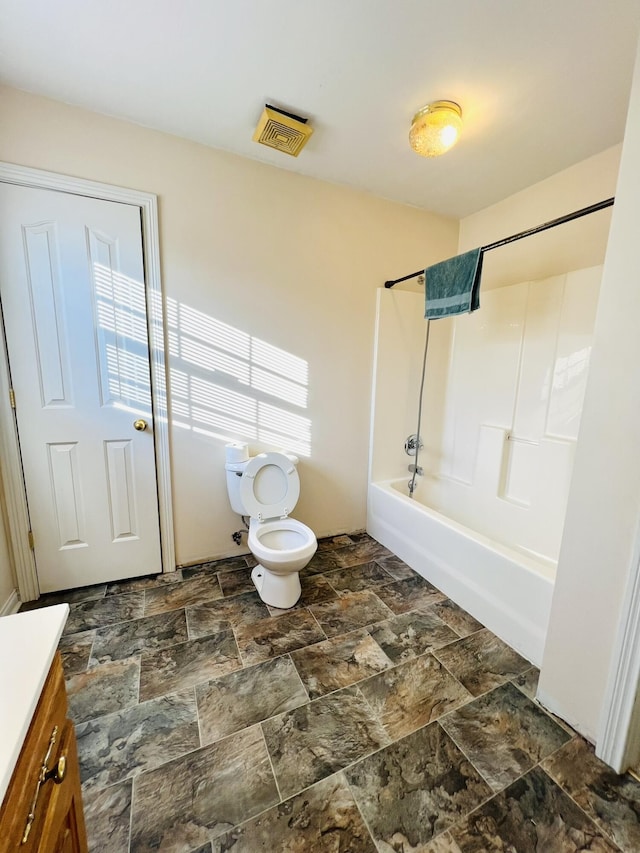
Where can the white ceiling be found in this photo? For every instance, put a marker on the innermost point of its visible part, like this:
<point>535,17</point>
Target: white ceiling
<point>543,84</point>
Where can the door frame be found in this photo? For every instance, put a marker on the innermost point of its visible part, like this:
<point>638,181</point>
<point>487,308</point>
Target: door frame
<point>15,497</point>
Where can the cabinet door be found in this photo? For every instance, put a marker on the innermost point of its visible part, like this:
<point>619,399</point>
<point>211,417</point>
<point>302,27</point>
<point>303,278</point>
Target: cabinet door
<point>63,829</point>
<point>41,745</point>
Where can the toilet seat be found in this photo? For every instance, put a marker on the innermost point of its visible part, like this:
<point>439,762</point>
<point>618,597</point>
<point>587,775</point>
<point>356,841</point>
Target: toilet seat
<point>270,486</point>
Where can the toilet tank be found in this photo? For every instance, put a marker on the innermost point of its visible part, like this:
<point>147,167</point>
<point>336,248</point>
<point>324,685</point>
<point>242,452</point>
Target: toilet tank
<point>234,476</point>
<point>237,457</point>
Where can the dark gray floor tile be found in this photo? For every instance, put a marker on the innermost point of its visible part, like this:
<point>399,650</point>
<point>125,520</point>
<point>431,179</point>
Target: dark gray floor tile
<point>317,739</point>
<point>250,560</point>
<point>107,814</point>
<point>330,543</point>
<point>411,594</point>
<point>612,801</point>
<point>103,689</point>
<point>147,582</point>
<point>321,562</point>
<point>361,552</point>
<point>75,650</point>
<point>412,695</point>
<point>339,662</point>
<point>315,589</point>
<point>531,814</point>
<point>462,622</point>
<point>236,582</point>
<point>119,746</point>
<point>324,819</point>
<point>188,664</point>
<point>215,616</point>
<point>226,564</point>
<point>443,843</point>
<point>65,596</point>
<point>411,634</point>
<point>415,789</point>
<point>504,734</point>
<point>527,681</point>
<point>98,612</point>
<point>358,577</point>
<point>195,590</point>
<point>277,635</point>
<point>126,639</point>
<point>396,567</point>
<point>482,661</point>
<point>198,797</point>
<point>352,610</point>
<point>82,593</point>
<point>362,536</point>
<point>248,696</point>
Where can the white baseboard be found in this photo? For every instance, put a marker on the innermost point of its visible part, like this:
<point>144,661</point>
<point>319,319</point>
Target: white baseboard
<point>11,605</point>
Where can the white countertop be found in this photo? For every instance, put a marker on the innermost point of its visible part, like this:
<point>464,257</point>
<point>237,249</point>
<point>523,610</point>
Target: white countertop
<point>28,643</point>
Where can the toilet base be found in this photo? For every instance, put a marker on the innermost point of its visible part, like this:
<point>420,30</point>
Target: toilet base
<point>282,591</point>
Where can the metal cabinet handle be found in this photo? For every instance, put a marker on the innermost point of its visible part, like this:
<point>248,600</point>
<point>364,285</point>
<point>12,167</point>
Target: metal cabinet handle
<point>57,774</point>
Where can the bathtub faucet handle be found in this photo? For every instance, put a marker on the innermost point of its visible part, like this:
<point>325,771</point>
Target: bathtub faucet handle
<point>413,444</point>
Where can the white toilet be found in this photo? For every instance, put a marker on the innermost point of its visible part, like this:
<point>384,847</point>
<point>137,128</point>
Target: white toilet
<point>266,488</point>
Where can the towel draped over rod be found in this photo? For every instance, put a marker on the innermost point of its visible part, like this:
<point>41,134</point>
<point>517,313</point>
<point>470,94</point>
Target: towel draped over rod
<point>569,217</point>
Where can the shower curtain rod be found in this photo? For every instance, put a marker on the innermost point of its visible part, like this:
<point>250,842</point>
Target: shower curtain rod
<point>593,208</point>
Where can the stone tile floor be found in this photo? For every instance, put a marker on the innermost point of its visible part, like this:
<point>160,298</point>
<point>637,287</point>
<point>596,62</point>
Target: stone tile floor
<point>375,716</point>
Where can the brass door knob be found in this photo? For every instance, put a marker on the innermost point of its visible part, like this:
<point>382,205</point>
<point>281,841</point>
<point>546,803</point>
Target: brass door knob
<point>140,425</point>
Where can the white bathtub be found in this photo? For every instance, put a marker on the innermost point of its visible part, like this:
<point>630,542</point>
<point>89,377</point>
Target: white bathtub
<point>504,589</point>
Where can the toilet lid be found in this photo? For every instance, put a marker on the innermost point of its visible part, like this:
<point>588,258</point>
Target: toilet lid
<point>270,486</point>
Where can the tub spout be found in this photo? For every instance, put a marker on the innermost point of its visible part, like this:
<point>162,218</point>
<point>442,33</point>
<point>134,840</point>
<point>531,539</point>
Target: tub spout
<point>415,469</point>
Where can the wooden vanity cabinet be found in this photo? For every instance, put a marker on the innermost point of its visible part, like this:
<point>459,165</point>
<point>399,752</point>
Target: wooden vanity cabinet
<point>46,776</point>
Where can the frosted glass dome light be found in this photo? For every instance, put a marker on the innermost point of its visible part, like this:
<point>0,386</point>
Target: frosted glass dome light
<point>435,128</point>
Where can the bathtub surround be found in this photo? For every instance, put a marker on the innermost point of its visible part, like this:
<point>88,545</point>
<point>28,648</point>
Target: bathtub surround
<point>372,739</point>
<point>500,440</point>
<point>516,379</point>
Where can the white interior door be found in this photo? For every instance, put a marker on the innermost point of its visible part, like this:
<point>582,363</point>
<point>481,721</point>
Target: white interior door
<point>73,302</point>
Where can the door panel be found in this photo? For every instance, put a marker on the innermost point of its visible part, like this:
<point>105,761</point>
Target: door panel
<point>68,505</point>
<point>122,499</point>
<point>73,301</point>
<point>43,280</point>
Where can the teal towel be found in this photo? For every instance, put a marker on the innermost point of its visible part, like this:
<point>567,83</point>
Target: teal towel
<point>453,286</point>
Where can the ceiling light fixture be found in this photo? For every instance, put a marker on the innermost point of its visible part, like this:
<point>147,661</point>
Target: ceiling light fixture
<point>435,128</point>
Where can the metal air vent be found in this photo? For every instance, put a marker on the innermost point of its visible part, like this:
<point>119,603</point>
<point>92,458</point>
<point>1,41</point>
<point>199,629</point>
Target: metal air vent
<point>283,131</point>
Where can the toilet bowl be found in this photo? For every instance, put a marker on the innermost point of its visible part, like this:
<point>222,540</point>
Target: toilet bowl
<point>282,547</point>
<point>266,488</point>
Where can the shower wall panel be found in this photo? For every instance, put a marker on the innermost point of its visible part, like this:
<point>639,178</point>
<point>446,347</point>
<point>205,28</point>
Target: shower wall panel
<point>507,423</point>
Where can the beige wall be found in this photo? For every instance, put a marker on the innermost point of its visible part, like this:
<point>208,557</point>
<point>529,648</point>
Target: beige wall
<point>284,258</point>
<point>572,246</point>
<point>600,541</point>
